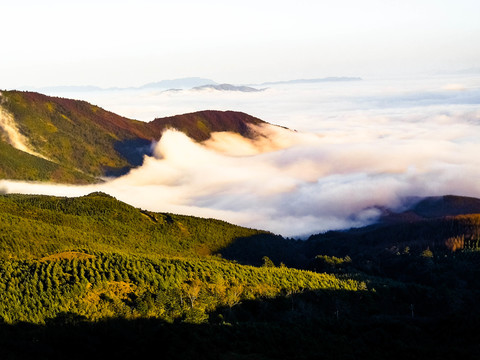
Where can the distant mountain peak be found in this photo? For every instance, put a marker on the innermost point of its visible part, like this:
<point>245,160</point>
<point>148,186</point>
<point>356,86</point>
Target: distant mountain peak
<point>227,87</point>
<point>183,83</point>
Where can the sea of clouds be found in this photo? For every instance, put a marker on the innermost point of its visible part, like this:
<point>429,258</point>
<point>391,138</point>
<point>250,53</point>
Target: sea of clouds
<point>357,145</point>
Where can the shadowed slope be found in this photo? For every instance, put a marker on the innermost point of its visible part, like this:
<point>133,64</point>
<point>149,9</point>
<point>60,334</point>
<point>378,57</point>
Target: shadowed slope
<point>448,205</point>
<point>433,207</point>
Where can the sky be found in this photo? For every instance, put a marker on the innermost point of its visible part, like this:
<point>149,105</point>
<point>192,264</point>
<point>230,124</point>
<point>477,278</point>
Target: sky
<point>129,43</point>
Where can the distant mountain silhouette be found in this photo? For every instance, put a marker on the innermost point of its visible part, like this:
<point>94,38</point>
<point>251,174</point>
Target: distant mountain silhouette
<point>179,84</point>
<point>184,83</point>
<point>434,207</point>
<point>227,87</point>
<point>187,83</point>
<point>310,81</point>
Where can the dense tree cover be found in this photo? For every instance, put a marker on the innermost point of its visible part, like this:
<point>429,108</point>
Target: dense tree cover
<point>36,226</point>
<point>428,251</point>
<point>110,285</point>
<point>93,272</point>
<point>97,257</point>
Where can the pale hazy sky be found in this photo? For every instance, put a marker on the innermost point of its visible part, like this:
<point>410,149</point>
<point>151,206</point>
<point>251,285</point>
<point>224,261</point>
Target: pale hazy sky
<point>129,43</point>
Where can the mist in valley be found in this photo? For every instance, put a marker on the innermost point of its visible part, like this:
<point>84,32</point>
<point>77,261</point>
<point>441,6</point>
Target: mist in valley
<point>353,146</point>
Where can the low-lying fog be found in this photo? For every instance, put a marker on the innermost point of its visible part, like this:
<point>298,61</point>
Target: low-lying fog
<point>358,145</point>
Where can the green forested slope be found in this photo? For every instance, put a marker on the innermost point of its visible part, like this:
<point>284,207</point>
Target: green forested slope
<point>107,285</point>
<point>36,226</point>
<point>98,276</point>
<point>97,257</point>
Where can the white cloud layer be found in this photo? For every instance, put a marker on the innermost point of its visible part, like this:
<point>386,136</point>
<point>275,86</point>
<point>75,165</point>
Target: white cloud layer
<point>362,145</point>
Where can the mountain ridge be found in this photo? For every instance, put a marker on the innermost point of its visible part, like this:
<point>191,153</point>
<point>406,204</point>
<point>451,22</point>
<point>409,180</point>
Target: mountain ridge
<point>227,87</point>
<point>186,83</point>
<point>431,207</point>
<point>182,83</point>
<point>74,135</point>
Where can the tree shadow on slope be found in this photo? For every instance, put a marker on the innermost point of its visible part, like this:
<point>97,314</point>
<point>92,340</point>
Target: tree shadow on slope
<point>311,325</point>
<point>251,250</point>
<point>132,150</point>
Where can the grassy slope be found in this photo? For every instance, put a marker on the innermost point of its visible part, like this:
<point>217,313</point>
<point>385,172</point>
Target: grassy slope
<point>77,134</point>
<point>69,132</point>
<point>18,165</point>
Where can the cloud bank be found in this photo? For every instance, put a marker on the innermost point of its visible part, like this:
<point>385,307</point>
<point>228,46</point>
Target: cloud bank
<point>356,155</point>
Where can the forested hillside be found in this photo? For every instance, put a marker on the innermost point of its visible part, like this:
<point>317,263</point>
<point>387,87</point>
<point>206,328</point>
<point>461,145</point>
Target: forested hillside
<point>91,271</point>
<point>98,257</point>
<point>37,226</point>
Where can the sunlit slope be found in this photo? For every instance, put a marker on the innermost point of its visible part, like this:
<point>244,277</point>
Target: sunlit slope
<point>32,227</point>
<point>69,131</point>
<point>201,124</point>
<point>106,285</point>
<point>19,165</point>
<point>77,135</point>
<point>95,257</point>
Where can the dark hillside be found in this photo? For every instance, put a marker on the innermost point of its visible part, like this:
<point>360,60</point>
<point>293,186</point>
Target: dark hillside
<point>448,205</point>
<point>429,243</point>
<point>434,207</point>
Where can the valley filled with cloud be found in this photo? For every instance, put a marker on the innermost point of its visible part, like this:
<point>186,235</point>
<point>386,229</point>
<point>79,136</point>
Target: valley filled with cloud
<point>352,147</point>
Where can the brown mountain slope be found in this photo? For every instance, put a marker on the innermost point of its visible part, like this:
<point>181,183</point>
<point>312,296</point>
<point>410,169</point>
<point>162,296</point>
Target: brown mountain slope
<point>77,135</point>
<point>200,125</point>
